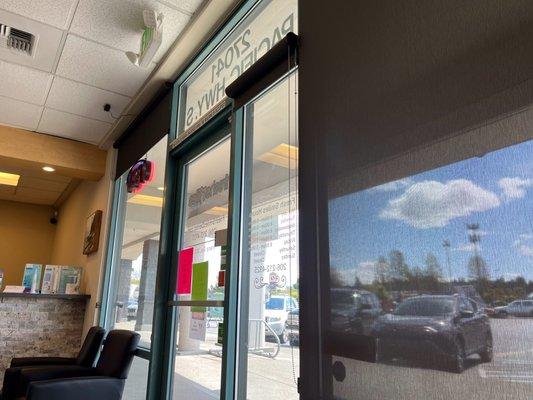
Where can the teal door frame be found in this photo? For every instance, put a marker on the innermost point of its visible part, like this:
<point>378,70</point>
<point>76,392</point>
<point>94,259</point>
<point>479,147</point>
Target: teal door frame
<point>165,314</point>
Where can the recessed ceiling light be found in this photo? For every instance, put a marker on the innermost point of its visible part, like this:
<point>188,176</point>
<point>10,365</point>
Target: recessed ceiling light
<point>48,169</point>
<point>283,155</point>
<point>217,210</point>
<point>9,179</point>
<point>161,188</point>
<point>145,200</point>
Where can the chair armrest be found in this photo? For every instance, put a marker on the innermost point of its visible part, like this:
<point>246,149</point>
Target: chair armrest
<point>87,388</point>
<point>32,374</point>
<point>37,361</point>
<point>11,387</point>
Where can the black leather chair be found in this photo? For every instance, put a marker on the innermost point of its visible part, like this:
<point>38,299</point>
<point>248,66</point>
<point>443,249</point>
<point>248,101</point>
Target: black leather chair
<point>103,382</point>
<point>86,358</point>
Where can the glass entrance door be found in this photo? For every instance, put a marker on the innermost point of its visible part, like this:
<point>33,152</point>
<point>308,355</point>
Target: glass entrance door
<point>201,267</point>
<point>268,365</point>
<point>250,304</point>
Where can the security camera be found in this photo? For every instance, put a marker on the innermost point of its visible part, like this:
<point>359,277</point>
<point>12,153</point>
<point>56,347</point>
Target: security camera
<point>53,220</point>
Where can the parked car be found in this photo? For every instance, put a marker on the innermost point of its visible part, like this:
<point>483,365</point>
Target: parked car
<point>293,321</point>
<point>132,310</point>
<point>293,326</point>
<point>500,310</point>
<point>490,311</point>
<point>354,311</point>
<point>277,310</point>
<point>448,328</point>
<point>520,308</point>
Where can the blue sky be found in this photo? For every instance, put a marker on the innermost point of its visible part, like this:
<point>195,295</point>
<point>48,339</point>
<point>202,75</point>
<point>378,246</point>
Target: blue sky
<point>417,213</point>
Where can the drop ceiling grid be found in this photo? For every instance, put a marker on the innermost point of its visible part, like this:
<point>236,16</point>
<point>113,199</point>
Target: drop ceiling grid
<point>19,114</point>
<point>91,68</point>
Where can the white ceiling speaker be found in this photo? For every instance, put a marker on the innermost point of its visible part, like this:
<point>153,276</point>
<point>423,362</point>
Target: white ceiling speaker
<point>150,41</point>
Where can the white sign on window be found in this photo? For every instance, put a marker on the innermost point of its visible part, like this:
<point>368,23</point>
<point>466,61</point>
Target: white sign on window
<point>256,35</point>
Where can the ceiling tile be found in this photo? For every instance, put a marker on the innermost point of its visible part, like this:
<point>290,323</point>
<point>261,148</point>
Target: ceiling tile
<point>88,101</point>
<point>189,6</point>
<point>44,50</point>
<point>31,195</point>
<point>72,126</point>
<point>35,173</point>
<point>100,66</point>
<point>52,12</point>
<point>23,83</point>
<point>7,190</point>
<point>42,184</point>
<point>119,24</point>
<point>19,114</point>
<point>38,173</point>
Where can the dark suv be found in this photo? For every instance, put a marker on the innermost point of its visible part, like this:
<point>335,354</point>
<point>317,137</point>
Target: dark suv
<point>354,311</point>
<point>448,328</point>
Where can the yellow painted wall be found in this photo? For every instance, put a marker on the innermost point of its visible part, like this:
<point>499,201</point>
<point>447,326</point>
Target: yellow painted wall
<point>68,245</point>
<point>26,236</point>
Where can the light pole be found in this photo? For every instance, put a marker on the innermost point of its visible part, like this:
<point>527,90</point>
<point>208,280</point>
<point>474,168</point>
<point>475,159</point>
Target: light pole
<point>446,244</point>
<point>474,237</point>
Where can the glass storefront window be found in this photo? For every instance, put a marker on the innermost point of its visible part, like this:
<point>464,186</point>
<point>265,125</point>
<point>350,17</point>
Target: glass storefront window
<point>269,357</point>
<point>195,351</point>
<point>267,24</point>
<point>137,382</point>
<point>134,267</point>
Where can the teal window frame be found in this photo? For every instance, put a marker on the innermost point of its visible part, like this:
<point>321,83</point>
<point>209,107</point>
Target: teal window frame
<point>161,366</point>
<point>207,136</point>
<point>112,245</point>
<point>217,40</point>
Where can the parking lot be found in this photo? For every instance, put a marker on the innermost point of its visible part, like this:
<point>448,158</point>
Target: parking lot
<point>508,376</point>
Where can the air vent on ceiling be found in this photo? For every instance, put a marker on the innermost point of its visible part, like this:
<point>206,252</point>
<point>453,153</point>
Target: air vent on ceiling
<point>16,39</point>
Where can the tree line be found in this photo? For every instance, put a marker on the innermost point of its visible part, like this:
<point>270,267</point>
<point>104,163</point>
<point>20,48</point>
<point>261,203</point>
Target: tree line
<point>394,275</point>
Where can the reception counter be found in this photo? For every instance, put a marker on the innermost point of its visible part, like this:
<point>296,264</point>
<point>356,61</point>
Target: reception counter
<point>40,325</point>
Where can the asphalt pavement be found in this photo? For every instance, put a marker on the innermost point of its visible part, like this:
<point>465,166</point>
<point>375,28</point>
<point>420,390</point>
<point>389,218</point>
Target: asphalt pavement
<point>508,377</point>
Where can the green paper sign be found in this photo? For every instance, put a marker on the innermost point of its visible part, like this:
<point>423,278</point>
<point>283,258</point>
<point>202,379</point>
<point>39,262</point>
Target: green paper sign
<point>199,284</point>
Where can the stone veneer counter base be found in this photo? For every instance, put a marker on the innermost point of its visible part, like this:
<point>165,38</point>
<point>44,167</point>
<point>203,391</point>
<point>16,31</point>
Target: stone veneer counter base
<point>33,325</point>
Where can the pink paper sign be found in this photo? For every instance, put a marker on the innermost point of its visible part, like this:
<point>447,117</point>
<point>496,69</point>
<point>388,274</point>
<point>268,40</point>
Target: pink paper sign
<point>184,281</point>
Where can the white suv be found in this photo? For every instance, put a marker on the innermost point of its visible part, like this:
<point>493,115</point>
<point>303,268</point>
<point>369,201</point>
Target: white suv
<point>520,308</point>
<point>277,310</point>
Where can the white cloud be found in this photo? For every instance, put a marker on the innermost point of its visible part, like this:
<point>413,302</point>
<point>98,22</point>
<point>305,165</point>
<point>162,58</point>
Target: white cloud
<point>514,188</point>
<point>432,204</point>
<point>524,244</point>
<point>393,186</point>
<point>365,271</point>
<point>526,250</point>
<point>510,277</point>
